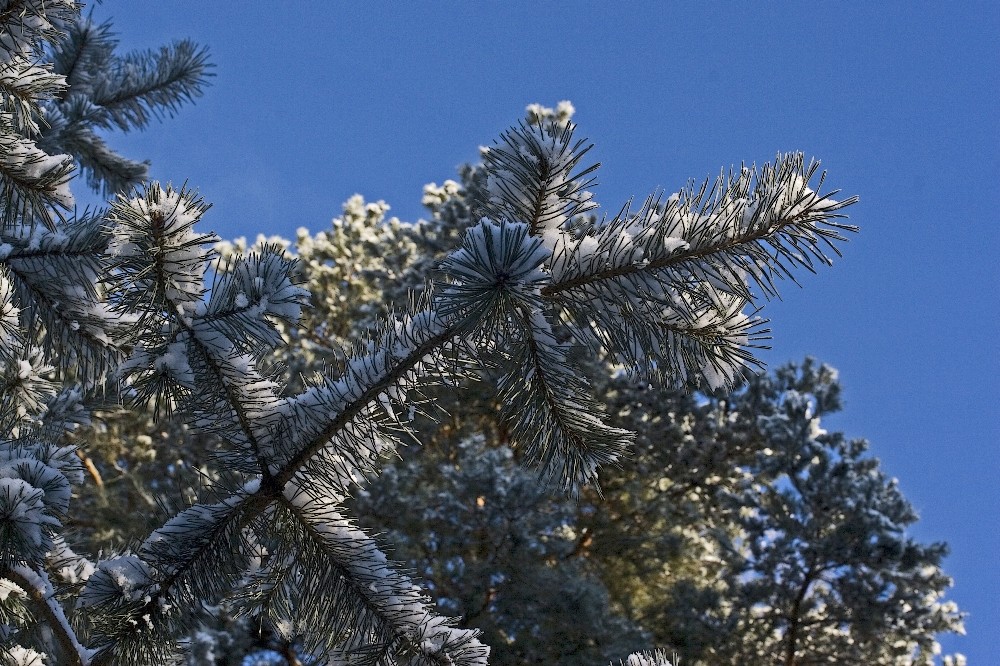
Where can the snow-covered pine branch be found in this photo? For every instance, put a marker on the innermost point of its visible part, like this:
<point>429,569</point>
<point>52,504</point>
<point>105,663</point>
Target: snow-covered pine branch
<point>32,182</point>
<point>195,357</point>
<point>497,275</point>
<point>24,84</point>
<point>55,278</point>
<point>534,176</point>
<point>59,340</point>
<point>106,91</point>
<point>649,658</point>
<point>668,288</point>
<point>28,23</point>
<point>391,618</point>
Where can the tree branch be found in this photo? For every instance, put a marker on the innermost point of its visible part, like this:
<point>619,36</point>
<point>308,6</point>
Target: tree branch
<point>34,583</point>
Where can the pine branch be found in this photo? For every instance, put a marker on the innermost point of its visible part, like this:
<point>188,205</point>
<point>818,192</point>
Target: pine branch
<point>160,275</point>
<point>139,606</point>
<point>38,588</point>
<point>698,337</point>
<point>154,239</point>
<point>249,292</point>
<point>551,414</point>
<point>83,53</point>
<point>106,171</point>
<point>25,24</point>
<point>148,85</point>
<point>54,276</point>
<point>22,85</point>
<point>371,613</point>
<point>723,233</point>
<point>495,279</point>
<point>531,178</point>
<point>373,376</point>
<point>158,260</point>
<point>32,183</point>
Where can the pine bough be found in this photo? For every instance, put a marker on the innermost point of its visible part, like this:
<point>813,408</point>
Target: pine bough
<point>123,301</point>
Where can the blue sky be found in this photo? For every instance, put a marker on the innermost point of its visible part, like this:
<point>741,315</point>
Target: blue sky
<point>314,101</point>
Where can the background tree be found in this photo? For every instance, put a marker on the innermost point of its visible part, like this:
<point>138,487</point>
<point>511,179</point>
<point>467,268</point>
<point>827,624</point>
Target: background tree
<point>792,542</point>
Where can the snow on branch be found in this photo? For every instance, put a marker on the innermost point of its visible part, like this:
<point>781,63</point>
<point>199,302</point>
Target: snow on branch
<point>55,282</point>
<point>496,269</point>
<point>757,224</point>
<point>496,277</point>
<point>35,479</point>
<point>335,576</point>
<point>25,24</point>
<point>250,292</point>
<point>534,177</point>
<point>159,260</point>
<point>23,83</point>
<point>31,181</point>
<point>668,289</point>
<point>38,588</point>
<point>649,658</point>
<point>138,604</point>
<point>336,431</point>
<point>26,387</point>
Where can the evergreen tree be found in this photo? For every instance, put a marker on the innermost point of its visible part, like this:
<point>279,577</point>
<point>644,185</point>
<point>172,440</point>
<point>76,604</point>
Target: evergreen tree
<point>536,285</point>
<point>777,541</point>
<point>703,529</point>
<point>659,538</point>
<point>495,548</point>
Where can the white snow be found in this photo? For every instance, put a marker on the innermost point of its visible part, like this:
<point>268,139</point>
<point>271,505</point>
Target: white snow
<point>167,234</point>
<point>24,161</point>
<point>23,510</point>
<point>174,362</point>
<point>8,588</point>
<point>22,656</point>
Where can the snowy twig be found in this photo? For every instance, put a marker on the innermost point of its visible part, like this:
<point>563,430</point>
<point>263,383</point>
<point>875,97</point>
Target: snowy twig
<point>38,588</point>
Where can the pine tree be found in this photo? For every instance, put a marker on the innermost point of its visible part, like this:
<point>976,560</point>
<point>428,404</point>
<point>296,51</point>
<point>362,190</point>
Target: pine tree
<point>498,550</point>
<point>660,536</point>
<point>778,541</point>
<point>537,280</point>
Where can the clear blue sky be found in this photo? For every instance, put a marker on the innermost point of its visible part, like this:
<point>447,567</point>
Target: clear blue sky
<point>314,101</point>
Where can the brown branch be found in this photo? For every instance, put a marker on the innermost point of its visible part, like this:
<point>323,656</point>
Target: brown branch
<point>49,608</point>
<point>795,621</point>
<point>91,468</point>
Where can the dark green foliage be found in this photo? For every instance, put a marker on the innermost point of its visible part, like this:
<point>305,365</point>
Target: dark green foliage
<point>498,550</point>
